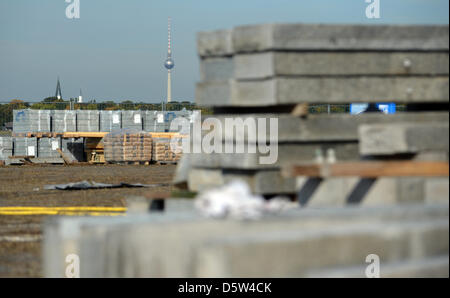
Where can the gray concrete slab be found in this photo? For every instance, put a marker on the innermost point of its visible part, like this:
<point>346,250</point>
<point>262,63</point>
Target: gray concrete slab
<point>403,138</point>
<point>323,90</point>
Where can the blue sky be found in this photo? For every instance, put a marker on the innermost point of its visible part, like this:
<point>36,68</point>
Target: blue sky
<point>116,50</point>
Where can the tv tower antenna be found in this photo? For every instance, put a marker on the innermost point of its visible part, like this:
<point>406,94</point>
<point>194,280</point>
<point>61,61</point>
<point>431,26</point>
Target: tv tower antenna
<point>169,64</point>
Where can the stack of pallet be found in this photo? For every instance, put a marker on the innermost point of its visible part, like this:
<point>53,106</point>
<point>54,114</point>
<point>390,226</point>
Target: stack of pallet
<point>31,121</point>
<point>48,147</point>
<point>25,146</point>
<point>110,120</point>
<point>88,120</point>
<point>63,120</point>
<point>275,70</point>
<point>6,148</point>
<point>128,146</point>
<point>133,120</point>
<point>44,121</point>
<point>166,151</point>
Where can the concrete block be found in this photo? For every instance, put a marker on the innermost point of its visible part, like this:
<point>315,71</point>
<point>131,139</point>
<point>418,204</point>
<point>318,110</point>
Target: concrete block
<point>110,120</point>
<point>432,267</point>
<point>47,147</point>
<point>286,154</point>
<point>293,253</point>
<point>436,190</point>
<point>182,170</point>
<point>216,69</point>
<point>331,191</point>
<point>257,38</point>
<point>31,121</point>
<point>63,120</point>
<point>25,146</point>
<point>273,64</point>
<point>323,90</point>
<point>203,179</point>
<point>133,120</point>
<point>62,236</point>
<point>260,182</point>
<point>139,205</point>
<point>213,93</point>
<point>174,242</point>
<point>6,147</point>
<point>317,127</point>
<point>88,120</point>
<point>390,139</point>
<point>215,43</point>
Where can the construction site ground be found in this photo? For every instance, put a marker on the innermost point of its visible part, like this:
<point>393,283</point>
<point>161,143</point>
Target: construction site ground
<point>23,186</point>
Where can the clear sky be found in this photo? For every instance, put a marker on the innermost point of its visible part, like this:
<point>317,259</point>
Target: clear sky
<point>116,50</point>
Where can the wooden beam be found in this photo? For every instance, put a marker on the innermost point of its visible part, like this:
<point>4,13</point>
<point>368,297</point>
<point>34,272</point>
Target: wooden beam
<point>370,169</point>
<point>81,134</point>
<point>67,161</point>
<point>300,110</point>
<point>21,156</point>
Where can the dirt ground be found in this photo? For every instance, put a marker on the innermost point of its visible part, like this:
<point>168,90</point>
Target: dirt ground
<point>21,235</point>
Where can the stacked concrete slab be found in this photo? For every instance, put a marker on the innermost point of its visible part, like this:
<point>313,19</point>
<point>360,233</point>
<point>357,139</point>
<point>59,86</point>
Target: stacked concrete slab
<point>110,120</point>
<point>88,120</point>
<point>410,241</point>
<point>26,121</point>
<point>250,70</point>
<point>158,121</point>
<point>31,121</point>
<point>133,120</point>
<point>64,120</point>
<point>274,64</point>
<point>6,147</point>
<point>48,147</point>
<point>25,146</point>
<point>44,149</point>
<point>154,121</point>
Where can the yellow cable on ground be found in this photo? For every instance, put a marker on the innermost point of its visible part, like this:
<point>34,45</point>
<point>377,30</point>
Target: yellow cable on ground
<point>70,210</point>
<point>18,213</point>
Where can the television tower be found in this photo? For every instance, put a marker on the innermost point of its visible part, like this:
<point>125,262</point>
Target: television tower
<point>169,64</point>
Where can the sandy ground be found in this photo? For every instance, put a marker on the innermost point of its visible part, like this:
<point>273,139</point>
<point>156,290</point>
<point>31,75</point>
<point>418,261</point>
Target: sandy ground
<point>21,236</point>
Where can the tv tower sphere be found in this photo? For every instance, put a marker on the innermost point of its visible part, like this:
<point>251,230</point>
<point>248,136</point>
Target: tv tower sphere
<point>169,64</point>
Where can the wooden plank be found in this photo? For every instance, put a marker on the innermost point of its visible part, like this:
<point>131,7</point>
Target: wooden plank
<point>300,110</point>
<point>64,157</point>
<point>81,134</point>
<point>371,169</point>
<point>94,143</point>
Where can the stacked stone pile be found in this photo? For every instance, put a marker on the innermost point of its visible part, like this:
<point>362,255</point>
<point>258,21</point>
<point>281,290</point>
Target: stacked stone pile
<point>127,146</point>
<point>275,70</point>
